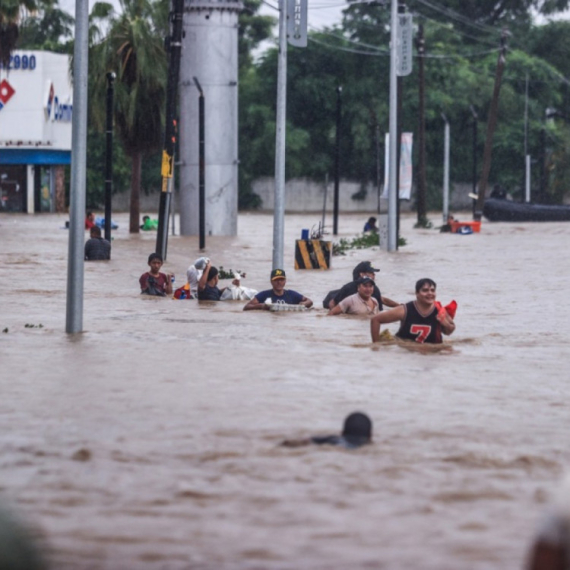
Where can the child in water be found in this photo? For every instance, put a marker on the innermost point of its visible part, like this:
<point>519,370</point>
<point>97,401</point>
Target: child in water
<point>154,282</point>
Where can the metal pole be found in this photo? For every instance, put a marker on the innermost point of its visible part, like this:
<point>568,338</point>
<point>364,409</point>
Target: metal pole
<point>475,124</point>
<point>325,199</point>
<point>167,168</point>
<point>75,263</point>
<point>109,155</point>
<point>173,202</point>
<point>446,171</point>
<point>399,89</point>
<point>526,155</point>
<point>526,115</point>
<point>378,163</point>
<point>527,178</point>
<point>393,165</point>
<point>422,201</point>
<point>542,163</point>
<point>279,206</point>
<point>337,159</point>
<point>202,164</point>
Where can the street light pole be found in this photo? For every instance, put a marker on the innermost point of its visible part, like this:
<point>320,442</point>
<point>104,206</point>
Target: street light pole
<point>393,155</point>
<point>279,205</point>
<point>337,159</point>
<point>109,155</point>
<point>475,123</point>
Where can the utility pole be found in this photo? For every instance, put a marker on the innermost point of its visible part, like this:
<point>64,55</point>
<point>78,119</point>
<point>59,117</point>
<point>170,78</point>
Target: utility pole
<point>542,163</point>
<point>109,155</point>
<point>491,124</point>
<point>526,155</point>
<point>393,129</point>
<point>337,159</point>
<point>377,141</point>
<point>167,168</point>
<point>279,206</point>
<point>202,161</point>
<point>475,125</point>
<point>422,197</point>
<point>76,251</point>
<point>446,170</point>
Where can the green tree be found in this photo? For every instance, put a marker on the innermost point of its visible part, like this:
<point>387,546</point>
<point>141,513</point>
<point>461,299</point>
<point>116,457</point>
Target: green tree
<point>11,14</point>
<point>256,125</point>
<point>49,28</point>
<point>133,48</point>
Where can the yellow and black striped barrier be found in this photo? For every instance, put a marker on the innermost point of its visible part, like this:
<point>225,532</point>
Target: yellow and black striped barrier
<point>313,254</point>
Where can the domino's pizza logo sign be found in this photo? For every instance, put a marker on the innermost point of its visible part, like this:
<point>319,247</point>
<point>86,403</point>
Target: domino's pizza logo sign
<point>49,101</point>
<point>56,108</point>
<point>6,93</point>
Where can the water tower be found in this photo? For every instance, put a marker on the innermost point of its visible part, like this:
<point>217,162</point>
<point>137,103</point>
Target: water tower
<point>210,53</point>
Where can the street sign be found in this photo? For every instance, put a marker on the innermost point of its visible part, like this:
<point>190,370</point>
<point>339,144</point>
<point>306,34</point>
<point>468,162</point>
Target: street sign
<point>297,22</point>
<point>404,45</point>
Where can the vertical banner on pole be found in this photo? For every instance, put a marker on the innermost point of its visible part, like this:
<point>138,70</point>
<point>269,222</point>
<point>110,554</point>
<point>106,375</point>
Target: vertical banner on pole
<point>406,174</point>
<point>406,166</point>
<point>297,22</point>
<point>405,41</point>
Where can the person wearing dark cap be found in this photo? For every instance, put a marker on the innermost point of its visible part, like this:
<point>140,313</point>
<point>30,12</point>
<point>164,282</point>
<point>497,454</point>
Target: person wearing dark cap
<point>208,284</point>
<point>357,431</point>
<point>363,269</point>
<point>277,294</point>
<point>361,303</point>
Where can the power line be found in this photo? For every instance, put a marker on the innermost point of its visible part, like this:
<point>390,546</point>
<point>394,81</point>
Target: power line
<point>459,18</point>
<point>455,30</point>
<point>276,8</point>
<point>349,50</point>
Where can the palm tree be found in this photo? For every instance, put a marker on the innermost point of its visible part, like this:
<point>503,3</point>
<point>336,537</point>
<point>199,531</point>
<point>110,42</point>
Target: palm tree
<point>133,48</point>
<point>11,12</point>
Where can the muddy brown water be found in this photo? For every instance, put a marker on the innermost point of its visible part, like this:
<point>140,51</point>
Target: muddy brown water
<point>151,439</point>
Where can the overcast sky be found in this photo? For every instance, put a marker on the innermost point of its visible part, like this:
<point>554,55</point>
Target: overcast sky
<point>321,12</point>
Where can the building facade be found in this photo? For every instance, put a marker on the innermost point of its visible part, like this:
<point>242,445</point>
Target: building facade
<point>36,107</point>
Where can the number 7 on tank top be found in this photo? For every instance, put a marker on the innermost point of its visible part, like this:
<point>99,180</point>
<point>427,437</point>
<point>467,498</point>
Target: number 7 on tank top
<point>422,331</point>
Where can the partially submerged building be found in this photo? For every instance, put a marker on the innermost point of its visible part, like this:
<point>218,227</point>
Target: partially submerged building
<point>36,107</point>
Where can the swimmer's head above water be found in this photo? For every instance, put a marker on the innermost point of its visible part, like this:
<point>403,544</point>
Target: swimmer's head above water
<point>357,431</point>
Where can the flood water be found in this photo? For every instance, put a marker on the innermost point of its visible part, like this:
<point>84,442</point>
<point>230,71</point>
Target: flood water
<point>151,440</point>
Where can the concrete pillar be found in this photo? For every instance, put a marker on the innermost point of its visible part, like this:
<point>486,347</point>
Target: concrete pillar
<point>210,53</point>
<point>30,189</point>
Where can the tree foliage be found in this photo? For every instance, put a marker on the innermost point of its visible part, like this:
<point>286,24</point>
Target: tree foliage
<point>133,49</point>
<point>459,76</point>
<point>11,14</point>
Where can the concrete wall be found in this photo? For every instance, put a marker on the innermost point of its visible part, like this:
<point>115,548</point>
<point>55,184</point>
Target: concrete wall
<point>305,195</point>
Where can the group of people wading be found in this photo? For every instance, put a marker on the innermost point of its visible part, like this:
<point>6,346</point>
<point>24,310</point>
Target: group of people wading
<point>423,320</point>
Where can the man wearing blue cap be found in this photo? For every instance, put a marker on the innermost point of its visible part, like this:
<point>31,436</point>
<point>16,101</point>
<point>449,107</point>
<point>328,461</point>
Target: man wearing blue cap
<point>278,295</point>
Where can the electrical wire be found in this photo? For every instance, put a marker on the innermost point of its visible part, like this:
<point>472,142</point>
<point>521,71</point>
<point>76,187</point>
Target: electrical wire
<point>276,8</point>
<point>349,50</point>
<point>459,18</point>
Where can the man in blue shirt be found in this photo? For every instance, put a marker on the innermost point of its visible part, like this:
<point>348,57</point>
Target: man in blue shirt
<point>278,294</point>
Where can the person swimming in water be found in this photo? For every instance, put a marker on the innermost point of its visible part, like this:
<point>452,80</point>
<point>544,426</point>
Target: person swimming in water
<point>357,431</point>
<point>551,545</point>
